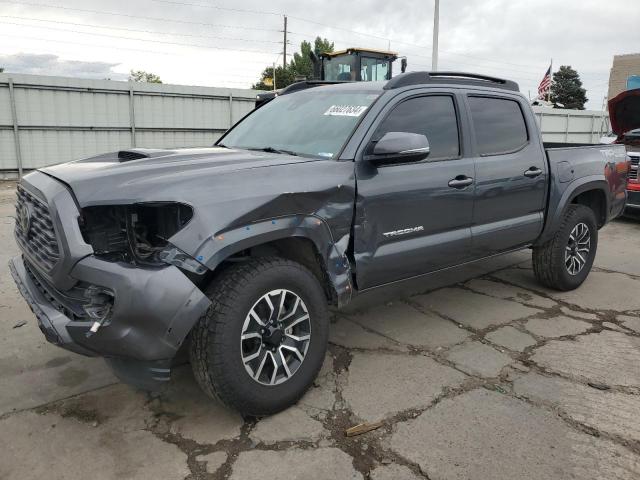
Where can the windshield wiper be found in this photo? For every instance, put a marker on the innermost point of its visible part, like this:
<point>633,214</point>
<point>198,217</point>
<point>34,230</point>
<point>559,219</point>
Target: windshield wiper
<point>274,150</point>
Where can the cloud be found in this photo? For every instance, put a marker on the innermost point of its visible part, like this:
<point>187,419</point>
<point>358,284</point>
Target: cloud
<point>48,64</point>
<point>228,43</point>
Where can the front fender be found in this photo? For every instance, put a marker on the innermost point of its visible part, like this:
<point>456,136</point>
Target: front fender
<point>560,199</point>
<point>225,243</point>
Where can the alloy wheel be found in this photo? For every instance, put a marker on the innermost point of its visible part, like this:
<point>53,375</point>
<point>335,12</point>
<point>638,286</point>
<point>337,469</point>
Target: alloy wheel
<point>577,249</point>
<point>275,337</point>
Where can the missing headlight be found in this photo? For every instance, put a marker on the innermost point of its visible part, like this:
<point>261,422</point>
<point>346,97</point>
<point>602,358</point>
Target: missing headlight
<point>134,233</point>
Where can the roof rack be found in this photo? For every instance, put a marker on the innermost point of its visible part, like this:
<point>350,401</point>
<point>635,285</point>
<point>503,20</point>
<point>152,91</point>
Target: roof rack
<point>461,78</point>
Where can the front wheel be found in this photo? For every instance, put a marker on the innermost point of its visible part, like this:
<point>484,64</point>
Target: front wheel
<point>564,262</point>
<point>263,340</point>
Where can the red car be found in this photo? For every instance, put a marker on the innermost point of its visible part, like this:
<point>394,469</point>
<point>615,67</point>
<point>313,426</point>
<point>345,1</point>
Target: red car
<point>624,112</point>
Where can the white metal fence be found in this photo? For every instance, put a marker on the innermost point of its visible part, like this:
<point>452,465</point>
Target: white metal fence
<point>571,126</point>
<point>47,120</point>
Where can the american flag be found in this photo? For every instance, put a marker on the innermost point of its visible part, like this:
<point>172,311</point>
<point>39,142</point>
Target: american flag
<point>545,84</point>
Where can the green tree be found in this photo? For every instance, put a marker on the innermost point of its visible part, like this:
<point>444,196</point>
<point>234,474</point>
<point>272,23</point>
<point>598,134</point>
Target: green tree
<point>1,69</point>
<point>567,90</point>
<point>301,62</point>
<point>141,76</point>
<point>299,66</point>
<point>284,77</point>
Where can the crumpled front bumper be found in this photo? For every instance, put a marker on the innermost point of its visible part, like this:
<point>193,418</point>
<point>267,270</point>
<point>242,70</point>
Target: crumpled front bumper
<point>153,311</point>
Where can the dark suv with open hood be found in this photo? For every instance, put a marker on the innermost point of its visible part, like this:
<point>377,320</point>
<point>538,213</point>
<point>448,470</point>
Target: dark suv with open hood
<point>233,253</point>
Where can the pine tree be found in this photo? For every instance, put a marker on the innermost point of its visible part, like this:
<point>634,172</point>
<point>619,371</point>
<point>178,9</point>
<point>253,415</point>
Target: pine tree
<point>567,89</point>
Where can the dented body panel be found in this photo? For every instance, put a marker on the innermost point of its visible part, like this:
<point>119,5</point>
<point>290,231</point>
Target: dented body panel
<point>241,199</point>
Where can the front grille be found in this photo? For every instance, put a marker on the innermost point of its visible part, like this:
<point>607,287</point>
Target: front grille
<point>633,173</point>
<point>34,230</point>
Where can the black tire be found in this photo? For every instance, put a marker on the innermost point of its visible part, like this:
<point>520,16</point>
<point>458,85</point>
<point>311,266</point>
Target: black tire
<point>216,352</point>
<point>549,264</point>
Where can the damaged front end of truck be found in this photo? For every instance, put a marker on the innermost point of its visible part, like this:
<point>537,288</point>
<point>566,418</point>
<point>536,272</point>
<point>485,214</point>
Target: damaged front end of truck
<point>116,252</point>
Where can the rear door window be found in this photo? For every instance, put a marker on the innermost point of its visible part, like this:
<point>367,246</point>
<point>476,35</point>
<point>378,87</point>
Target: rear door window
<point>499,125</point>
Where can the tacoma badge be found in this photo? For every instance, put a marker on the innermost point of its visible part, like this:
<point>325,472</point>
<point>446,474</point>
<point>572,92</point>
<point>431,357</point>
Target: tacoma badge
<point>404,231</point>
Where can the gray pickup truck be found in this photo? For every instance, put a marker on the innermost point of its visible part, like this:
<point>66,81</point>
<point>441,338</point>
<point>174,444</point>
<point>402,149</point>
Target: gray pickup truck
<point>232,254</point>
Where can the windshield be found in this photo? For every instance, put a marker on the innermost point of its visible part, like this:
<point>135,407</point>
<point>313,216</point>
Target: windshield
<point>314,122</point>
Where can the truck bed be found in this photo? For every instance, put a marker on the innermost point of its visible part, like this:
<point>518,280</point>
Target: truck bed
<point>573,165</point>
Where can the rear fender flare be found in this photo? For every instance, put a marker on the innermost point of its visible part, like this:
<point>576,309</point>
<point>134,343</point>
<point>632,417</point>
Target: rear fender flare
<point>575,188</point>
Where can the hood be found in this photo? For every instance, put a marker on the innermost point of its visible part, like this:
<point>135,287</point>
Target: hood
<point>624,111</point>
<point>129,175</point>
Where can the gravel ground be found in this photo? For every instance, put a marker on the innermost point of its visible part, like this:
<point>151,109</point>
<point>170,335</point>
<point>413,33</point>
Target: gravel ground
<point>493,377</point>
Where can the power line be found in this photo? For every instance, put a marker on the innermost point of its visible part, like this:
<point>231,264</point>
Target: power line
<point>155,32</point>
<point>263,12</point>
<point>117,14</point>
<point>424,47</point>
<point>313,37</point>
<point>262,52</point>
<point>511,73</point>
<point>110,47</point>
<point>340,28</point>
<point>474,57</point>
<point>397,41</point>
<point>216,7</point>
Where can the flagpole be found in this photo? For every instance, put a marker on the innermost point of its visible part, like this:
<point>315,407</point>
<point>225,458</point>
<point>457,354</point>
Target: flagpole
<point>550,81</point>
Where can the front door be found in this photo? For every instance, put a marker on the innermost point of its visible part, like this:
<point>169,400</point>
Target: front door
<point>414,218</point>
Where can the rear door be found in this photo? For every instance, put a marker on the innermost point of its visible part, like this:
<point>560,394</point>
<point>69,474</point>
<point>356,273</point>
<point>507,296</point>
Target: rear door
<point>511,174</point>
<point>409,220</point>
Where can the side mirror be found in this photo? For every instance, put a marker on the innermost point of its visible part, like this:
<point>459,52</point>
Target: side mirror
<point>403,64</point>
<point>399,147</point>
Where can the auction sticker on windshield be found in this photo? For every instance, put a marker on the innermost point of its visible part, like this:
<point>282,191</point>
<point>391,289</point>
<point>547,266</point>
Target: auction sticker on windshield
<point>346,110</point>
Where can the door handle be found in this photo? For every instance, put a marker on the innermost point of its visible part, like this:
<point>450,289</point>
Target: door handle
<point>533,172</point>
<point>461,181</point>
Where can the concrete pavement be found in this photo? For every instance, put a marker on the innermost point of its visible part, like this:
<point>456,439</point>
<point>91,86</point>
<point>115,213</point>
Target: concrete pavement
<point>492,377</point>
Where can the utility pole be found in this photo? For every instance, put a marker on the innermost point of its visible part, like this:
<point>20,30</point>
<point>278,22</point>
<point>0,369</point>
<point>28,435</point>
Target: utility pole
<point>284,57</point>
<point>436,26</point>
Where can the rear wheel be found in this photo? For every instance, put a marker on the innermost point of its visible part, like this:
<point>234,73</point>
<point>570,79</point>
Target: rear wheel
<point>261,343</point>
<point>564,262</point>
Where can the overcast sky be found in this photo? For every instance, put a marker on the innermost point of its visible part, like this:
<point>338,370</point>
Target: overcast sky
<point>228,43</point>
